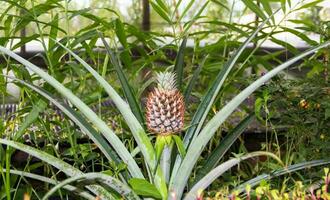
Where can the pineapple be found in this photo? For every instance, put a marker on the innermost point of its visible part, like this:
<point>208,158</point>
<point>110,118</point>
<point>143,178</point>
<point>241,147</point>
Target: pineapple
<point>165,106</point>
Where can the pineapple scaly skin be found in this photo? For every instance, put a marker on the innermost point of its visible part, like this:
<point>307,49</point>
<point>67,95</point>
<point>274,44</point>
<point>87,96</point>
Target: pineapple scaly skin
<point>165,106</point>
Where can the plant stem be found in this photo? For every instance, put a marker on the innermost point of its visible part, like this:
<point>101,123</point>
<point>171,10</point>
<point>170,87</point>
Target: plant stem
<point>165,161</point>
<point>8,187</point>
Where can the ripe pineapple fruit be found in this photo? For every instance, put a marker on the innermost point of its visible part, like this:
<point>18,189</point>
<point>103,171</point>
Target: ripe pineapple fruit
<point>165,106</point>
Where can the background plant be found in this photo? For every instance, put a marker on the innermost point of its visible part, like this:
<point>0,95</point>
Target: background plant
<point>265,191</point>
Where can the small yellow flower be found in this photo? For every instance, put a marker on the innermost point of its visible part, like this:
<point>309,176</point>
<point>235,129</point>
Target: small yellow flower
<point>317,106</point>
<point>304,104</point>
<point>26,196</point>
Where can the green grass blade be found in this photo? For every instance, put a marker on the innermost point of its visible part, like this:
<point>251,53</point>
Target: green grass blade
<point>234,27</point>
<point>25,40</point>
<point>309,5</point>
<point>161,4</point>
<point>266,6</point>
<point>280,172</point>
<point>53,31</point>
<point>185,10</point>
<point>223,147</point>
<point>221,4</point>
<point>179,63</point>
<point>124,83</point>
<point>30,118</point>
<point>255,8</point>
<point>51,160</point>
<point>44,179</point>
<point>197,146</point>
<point>289,47</point>
<point>195,18</point>
<point>301,35</point>
<point>121,34</point>
<point>101,125</point>
<point>193,81</point>
<point>122,189</point>
<point>161,12</point>
<point>219,170</point>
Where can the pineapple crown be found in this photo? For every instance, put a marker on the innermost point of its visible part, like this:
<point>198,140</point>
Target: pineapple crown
<point>166,81</point>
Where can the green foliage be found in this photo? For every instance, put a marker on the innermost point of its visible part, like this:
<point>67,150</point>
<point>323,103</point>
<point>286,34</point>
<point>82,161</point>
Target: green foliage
<point>302,107</point>
<point>91,57</point>
<point>144,188</point>
<point>265,190</point>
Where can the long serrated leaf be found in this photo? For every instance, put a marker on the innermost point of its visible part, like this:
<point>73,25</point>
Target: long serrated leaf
<point>197,145</point>
<point>218,171</point>
<point>136,128</point>
<point>219,151</point>
<point>122,189</point>
<point>208,99</point>
<point>44,179</point>
<point>205,105</point>
<point>179,63</point>
<point>105,148</point>
<point>101,125</point>
<point>85,126</point>
<point>57,163</point>
<point>165,160</point>
<point>138,132</point>
<point>280,172</point>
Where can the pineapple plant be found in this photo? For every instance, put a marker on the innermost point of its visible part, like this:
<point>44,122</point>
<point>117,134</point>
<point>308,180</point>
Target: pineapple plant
<point>165,117</point>
<point>165,111</point>
<point>165,106</point>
